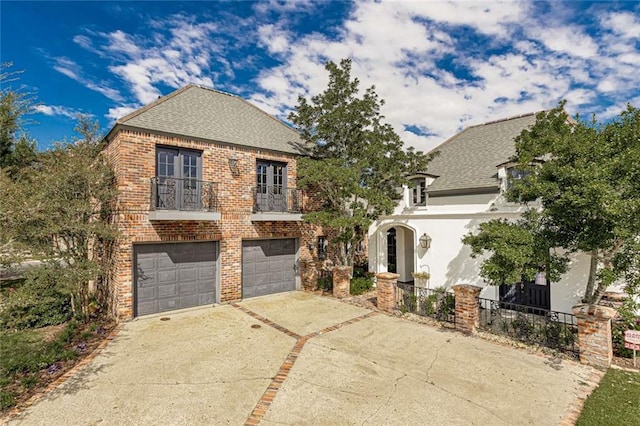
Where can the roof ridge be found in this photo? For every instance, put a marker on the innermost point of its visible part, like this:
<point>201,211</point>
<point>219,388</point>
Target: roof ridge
<point>514,117</point>
<point>158,101</point>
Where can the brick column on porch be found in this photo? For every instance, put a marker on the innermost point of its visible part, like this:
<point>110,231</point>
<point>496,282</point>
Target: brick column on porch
<point>467,307</point>
<point>386,290</point>
<point>594,334</point>
<point>341,281</point>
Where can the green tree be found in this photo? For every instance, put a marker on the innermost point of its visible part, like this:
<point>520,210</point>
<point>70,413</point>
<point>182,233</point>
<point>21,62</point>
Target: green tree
<point>17,150</point>
<point>59,210</point>
<point>357,163</point>
<point>583,184</point>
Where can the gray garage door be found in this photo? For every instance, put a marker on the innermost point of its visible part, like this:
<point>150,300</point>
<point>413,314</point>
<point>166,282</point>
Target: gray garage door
<point>268,266</point>
<point>172,276</point>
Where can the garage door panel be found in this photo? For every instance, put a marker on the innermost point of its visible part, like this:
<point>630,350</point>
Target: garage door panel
<point>188,274</point>
<point>147,293</point>
<point>164,261</point>
<point>167,305</point>
<point>207,273</point>
<point>268,267</point>
<point>188,288</point>
<point>146,308</point>
<point>171,276</point>
<point>167,290</point>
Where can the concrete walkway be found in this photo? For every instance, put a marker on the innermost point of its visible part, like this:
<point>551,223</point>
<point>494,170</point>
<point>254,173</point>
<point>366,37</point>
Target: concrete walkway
<point>297,358</point>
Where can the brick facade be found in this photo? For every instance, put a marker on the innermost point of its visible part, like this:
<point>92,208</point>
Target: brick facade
<point>133,157</point>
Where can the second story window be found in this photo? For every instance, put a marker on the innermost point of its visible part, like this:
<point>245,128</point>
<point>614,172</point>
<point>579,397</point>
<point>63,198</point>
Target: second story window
<point>515,174</point>
<point>271,186</point>
<point>418,192</point>
<point>178,179</point>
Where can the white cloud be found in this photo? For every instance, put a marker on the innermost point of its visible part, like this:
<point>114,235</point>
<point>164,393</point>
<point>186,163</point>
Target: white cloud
<point>570,40</point>
<point>625,24</point>
<point>53,110</point>
<point>439,65</point>
<point>528,62</point>
<point>119,112</point>
<point>74,71</point>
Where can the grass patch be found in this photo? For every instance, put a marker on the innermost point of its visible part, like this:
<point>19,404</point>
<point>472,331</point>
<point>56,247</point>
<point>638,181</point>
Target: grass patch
<point>23,354</point>
<point>615,402</point>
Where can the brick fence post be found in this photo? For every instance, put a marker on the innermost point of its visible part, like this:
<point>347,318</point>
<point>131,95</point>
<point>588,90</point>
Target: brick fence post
<point>309,274</point>
<point>467,307</point>
<point>341,281</point>
<point>386,290</point>
<point>594,334</point>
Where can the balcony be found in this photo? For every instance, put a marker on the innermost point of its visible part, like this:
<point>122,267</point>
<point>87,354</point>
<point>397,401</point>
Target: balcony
<point>274,203</point>
<point>183,199</point>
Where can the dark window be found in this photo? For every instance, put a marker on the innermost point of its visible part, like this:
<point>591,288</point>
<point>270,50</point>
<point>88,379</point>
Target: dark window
<point>391,250</point>
<point>322,247</point>
<point>418,192</point>
<point>515,174</point>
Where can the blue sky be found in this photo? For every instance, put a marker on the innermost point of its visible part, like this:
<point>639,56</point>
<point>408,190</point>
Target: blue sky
<point>440,66</point>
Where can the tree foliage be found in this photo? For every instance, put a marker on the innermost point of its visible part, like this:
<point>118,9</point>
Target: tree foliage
<point>17,150</point>
<point>358,162</point>
<point>59,210</point>
<point>586,179</point>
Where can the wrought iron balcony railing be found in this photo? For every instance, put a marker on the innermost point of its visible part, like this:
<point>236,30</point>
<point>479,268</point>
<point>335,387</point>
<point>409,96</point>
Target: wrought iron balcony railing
<point>276,199</point>
<point>168,193</point>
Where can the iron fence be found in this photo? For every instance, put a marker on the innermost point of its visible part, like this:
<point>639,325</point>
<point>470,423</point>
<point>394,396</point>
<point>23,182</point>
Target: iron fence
<point>277,199</point>
<point>434,303</point>
<point>557,330</point>
<point>168,193</point>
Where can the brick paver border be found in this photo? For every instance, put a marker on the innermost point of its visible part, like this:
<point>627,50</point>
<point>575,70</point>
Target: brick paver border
<point>261,408</point>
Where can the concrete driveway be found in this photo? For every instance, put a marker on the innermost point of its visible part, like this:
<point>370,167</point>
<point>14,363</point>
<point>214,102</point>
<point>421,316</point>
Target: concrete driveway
<point>296,358</point>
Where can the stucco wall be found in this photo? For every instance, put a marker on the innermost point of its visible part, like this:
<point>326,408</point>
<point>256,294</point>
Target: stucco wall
<point>447,220</point>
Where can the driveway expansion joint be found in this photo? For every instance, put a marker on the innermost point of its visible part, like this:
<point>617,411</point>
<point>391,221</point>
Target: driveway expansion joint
<point>260,410</point>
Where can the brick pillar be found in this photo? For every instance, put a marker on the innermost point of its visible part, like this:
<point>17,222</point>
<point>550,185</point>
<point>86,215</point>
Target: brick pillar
<point>467,307</point>
<point>386,290</point>
<point>309,274</point>
<point>594,334</point>
<point>341,281</point>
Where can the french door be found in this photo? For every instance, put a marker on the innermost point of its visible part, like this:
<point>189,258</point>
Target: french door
<point>179,174</point>
<point>271,186</point>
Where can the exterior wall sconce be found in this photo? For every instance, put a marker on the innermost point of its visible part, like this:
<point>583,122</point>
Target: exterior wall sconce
<point>312,246</point>
<point>425,241</point>
<point>233,165</point>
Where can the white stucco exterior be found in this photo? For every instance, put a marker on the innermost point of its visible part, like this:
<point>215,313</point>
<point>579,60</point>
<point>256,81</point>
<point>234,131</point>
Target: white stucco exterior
<point>447,220</point>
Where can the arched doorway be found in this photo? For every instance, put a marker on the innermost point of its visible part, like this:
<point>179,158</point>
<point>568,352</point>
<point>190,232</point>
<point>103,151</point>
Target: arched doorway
<point>392,251</point>
<point>397,252</point>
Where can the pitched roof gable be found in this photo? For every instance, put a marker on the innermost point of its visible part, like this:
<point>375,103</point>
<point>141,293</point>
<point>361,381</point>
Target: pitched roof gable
<point>468,160</point>
<point>208,114</point>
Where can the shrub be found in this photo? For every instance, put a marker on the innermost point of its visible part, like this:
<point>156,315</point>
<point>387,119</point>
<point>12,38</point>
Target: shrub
<point>37,303</point>
<point>325,283</point>
<point>628,321</point>
<point>360,285</point>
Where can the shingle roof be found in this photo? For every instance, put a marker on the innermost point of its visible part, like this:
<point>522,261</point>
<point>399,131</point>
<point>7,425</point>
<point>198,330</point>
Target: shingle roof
<point>208,114</point>
<point>468,160</point>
